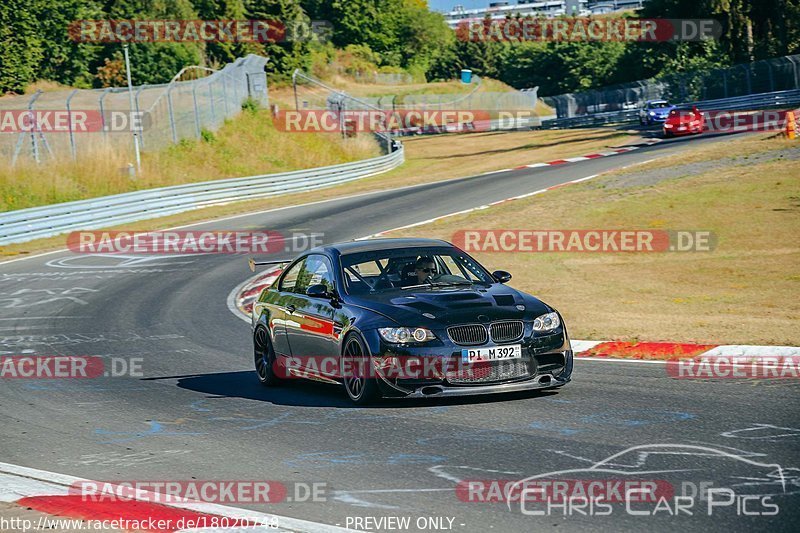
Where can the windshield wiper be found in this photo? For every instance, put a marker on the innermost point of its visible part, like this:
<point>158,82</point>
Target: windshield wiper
<point>448,283</point>
<point>431,284</point>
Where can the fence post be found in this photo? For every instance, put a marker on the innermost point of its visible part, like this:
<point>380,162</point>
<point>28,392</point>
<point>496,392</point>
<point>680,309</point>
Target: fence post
<point>294,84</point>
<point>71,133</point>
<point>103,112</point>
<point>33,129</point>
<point>196,114</point>
<point>139,116</point>
<point>771,77</point>
<point>225,96</point>
<point>171,116</point>
<point>725,82</point>
<point>749,82</point>
<point>794,72</point>
<point>211,103</point>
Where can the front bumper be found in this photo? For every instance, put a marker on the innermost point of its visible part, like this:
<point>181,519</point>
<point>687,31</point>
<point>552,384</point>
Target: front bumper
<point>540,382</point>
<point>547,363</point>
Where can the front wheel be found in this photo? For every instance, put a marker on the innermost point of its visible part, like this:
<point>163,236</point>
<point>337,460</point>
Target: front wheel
<point>264,358</point>
<point>356,369</point>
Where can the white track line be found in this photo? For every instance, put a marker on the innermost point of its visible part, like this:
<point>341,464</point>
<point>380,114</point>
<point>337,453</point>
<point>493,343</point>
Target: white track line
<point>737,350</point>
<point>611,360</point>
<point>26,482</point>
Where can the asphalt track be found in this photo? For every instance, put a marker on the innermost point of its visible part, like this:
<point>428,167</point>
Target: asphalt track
<point>199,413</point>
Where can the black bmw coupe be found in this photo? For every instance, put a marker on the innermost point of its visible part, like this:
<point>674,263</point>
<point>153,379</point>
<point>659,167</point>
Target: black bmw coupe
<point>405,318</point>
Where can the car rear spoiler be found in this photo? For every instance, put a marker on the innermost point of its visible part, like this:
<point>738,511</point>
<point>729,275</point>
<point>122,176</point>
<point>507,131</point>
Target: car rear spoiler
<point>253,263</point>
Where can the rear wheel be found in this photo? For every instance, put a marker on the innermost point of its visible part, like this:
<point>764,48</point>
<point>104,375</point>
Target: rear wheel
<point>264,358</point>
<point>356,369</point>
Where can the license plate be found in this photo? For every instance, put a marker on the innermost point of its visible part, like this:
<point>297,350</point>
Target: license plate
<point>493,353</point>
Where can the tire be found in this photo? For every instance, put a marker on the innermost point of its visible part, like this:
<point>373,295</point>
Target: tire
<point>264,358</point>
<point>360,389</point>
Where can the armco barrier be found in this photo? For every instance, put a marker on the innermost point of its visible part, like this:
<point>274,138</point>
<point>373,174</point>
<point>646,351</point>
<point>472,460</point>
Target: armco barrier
<point>27,224</point>
<point>776,100</point>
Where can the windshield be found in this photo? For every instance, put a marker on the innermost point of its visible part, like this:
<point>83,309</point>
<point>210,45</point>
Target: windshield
<point>393,270</point>
<point>659,105</point>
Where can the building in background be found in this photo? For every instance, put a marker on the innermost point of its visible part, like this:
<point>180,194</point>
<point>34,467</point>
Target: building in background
<point>539,8</point>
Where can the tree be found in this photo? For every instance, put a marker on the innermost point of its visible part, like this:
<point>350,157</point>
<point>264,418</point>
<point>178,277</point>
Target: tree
<point>560,67</point>
<point>289,54</point>
<point>63,59</point>
<point>20,46</point>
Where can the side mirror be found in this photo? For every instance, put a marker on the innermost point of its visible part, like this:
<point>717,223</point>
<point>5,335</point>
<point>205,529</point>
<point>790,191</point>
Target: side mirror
<point>318,291</point>
<point>501,276</point>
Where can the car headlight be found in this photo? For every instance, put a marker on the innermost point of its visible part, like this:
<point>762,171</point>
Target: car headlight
<point>546,322</point>
<point>406,335</point>
<point>652,113</point>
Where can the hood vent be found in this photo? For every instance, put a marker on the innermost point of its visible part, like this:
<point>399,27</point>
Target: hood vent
<point>504,299</point>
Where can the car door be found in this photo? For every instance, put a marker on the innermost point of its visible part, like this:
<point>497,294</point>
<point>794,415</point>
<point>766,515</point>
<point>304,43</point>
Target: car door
<point>282,305</point>
<point>311,329</point>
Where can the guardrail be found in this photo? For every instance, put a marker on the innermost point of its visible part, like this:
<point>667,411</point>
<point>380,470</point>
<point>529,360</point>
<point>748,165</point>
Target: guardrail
<point>27,224</point>
<point>779,99</point>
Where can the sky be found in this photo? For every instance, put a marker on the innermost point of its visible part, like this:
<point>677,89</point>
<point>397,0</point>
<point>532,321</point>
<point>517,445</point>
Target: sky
<point>447,5</point>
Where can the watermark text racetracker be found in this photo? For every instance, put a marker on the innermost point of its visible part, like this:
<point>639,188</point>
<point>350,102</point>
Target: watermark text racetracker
<point>73,121</point>
<point>585,240</point>
<point>185,30</point>
<point>69,367</point>
<point>580,29</point>
<point>735,367</point>
<point>191,242</point>
<point>209,491</point>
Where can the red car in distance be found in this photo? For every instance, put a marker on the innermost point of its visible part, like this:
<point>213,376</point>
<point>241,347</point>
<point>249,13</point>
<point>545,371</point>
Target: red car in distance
<point>684,121</point>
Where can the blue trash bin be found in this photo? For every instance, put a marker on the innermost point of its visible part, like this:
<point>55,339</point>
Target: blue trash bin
<point>466,76</point>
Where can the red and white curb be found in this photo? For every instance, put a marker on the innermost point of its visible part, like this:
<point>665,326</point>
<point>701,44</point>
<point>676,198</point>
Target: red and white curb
<point>587,157</point>
<point>521,196</point>
<point>49,493</point>
<point>660,352</point>
<point>241,298</point>
<point>240,302</point>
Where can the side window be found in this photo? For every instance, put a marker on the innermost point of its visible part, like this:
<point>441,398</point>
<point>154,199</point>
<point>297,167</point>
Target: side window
<point>290,278</point>
<point>317,271</point>
<point>457,269</point>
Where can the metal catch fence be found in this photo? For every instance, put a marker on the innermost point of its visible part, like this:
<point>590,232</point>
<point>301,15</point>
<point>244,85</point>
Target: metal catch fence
<point>169,112</point>
<point>767,76</point>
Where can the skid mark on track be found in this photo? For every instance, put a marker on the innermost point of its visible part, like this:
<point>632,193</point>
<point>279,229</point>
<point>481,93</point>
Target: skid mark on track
<point>24,298</point>
<point>118,261</point>
<point>444,472</point>
<point>118,459</point>
<point>156,428</point>
<point>476,436</point>
<point>212,410</point>
<point>65,339</point>
<point>325,459</point>
<point>765,432</point>
<point>84,385</point>
<point>624,418</point>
